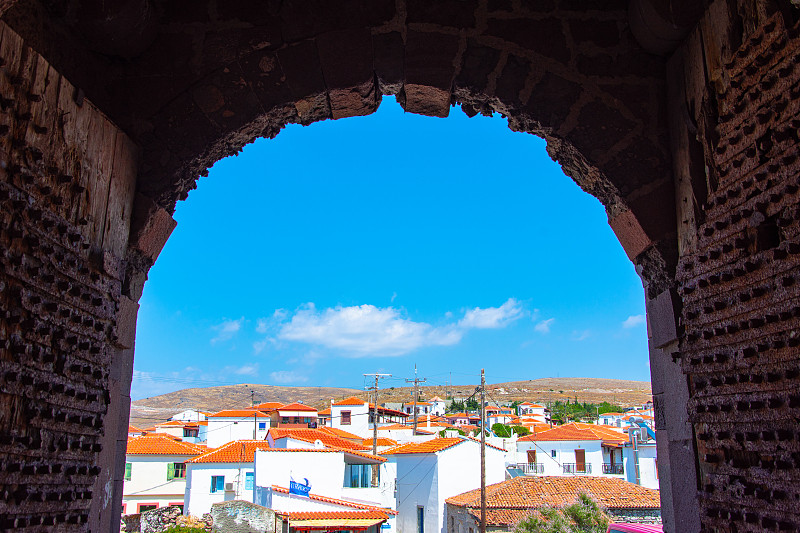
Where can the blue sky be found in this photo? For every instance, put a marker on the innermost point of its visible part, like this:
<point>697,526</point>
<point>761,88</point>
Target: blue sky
<point>373,243</point>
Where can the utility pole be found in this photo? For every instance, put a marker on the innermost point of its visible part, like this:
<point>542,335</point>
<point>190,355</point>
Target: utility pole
<point>375,412</point>
<point>483,451</point>
<point>255,415</point>
<point>416,381</point>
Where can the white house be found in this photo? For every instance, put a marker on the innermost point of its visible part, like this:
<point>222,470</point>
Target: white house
<point>294,415</point>
<point>610,419</point>
<point>155,471</point>
<point>423,408</point>
<point>190,415</point>
<point>236,424</point>
<point>438,406</point>
<point>572,449</point>
<point>310,439</point>
<point>221,475</point>
<point>355,415</point>
<point>641,459</point>
<point>532,412</point>
<point>430,472</point>
<point>194,432</point>
<point>324,479</point>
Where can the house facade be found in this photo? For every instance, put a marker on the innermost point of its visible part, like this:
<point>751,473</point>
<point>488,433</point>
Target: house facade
<point>155,472</point>
<point>430,472</point>
<point>236,424</point>
<point>572,449</point>
<point>219,475</point>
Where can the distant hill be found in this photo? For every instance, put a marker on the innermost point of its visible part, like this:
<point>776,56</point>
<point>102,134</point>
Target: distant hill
<point>146,412</point>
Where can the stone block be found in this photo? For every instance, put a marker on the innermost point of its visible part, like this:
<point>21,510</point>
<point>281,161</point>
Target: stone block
<point>450,13</point>
<point>630,234</point>
<point>263,72</point>
<point>300,64</point>
<point>242,516</point>
<point>552,99</point>
<point>346,58</point>
<point>388,50</point>
<point>662,318</point>
<point>541,36</point>
<point>478,63</point>
<point>125,322</point>
<point>151,227</point>
<point>429,71</point>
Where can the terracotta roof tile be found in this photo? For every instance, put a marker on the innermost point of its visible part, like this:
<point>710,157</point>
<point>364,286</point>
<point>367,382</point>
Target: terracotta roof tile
<point>352,400</point>
<point>134,429</point>
<point>337,515</point>
<point>514,499</point>
<point>239,413</point>
<point>577,431</point>
<point>326,450</point>
<point>382,441</point>
<point>325,412</point>
<point>297,407</point>
<point>312,435</point>
<point>266,406</point>
<point>160,444</point>
<point>342,434</point>
<point>346,503</point>
<point>431,446</point>
<point>238,451</point>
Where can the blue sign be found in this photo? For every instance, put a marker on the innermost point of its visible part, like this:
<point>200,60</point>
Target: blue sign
<point>385,526</point>
<point>301,489</point>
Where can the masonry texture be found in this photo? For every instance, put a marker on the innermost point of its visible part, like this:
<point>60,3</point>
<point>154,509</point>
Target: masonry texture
<point>680,116</point>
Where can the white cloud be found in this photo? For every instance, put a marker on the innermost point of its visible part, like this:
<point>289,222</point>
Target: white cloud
<point>365,330</point>
<point>544,325</point>
<point>581,335</point>
<point>492,317</point>
<point>287,376</point>
<point>633,321</point>
<point>226,330</point>
<point>263,325</point>
<point>394,296</point>
<point>247,370</point>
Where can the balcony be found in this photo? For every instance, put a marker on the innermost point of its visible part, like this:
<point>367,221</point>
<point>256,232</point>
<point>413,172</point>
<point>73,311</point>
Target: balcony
<point>573,468</point>
<point>530,469</point>
<point>616,468</point>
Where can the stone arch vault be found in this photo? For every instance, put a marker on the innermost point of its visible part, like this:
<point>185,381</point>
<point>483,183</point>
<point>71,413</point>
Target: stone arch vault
<point>681,117</point>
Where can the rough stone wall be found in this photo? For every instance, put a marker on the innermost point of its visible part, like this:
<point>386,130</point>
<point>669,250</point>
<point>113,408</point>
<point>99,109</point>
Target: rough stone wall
<point>738,169</point>
<point>67,178</point>
<point>635,516</point>
<point>239,516</point>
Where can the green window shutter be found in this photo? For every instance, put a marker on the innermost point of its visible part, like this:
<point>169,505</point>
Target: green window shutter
<point>170,471</point>
<point>128,468</point>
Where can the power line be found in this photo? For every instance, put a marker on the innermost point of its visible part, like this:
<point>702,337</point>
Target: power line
<point>375,411</point>
<point>416,381</point>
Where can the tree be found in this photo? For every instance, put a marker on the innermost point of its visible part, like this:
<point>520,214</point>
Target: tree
<point>521,430</point>
<point>583,516</point>
<point>501,430</point>
<point>455,407</point>
<point>472,404</point>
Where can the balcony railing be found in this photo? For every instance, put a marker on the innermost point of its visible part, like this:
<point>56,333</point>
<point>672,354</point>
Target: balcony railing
<point>531,468</point>
<point>617,468</point>
<point>572,468</point>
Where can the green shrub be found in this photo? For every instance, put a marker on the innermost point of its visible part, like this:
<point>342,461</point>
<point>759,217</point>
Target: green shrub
<point>583,516</point>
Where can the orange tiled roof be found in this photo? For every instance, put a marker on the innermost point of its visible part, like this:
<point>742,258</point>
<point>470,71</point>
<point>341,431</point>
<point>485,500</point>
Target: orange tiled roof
<point>352,400</point>
<point>337,515</point>
<point>160,444</point>
<point>382,441</point>
<point>325,412</point>
<point>327,450</point>
<point>239,413</point>
<point>515,498</point>
<point>342,434</point>
<point>266,406</point>
<point>346,503</point>
<point>180,423</point>
<point>312,435</point>
<point>577,431</point>
<point>419,402</point>
<point>297,407</point>
<point>395,427</point>
<point>238,451</point>
<point>134,429</point>
<point>431,446</point>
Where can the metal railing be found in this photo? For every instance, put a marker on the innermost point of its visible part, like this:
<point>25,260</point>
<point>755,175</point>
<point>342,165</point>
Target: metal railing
<point>616,468</point>
<point>573,468</point>
<point>531,468</point>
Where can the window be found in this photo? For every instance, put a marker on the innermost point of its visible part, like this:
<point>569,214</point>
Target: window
<point>128,469</point>
<point>142,507</point>
<point>176,470</point>
<point>262,426</point>
<point>191,432</point>
<point>217,483</point>
<point>552,453</point>
<point>420,519</point>
<point>345,418</point>
<point>361,476</point>
<point>249,478</point>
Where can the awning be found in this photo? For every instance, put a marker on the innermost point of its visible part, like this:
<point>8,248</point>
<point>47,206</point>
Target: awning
<point>336,523</point>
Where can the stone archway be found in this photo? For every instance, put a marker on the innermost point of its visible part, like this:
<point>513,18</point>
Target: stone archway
<point>109,114</point>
